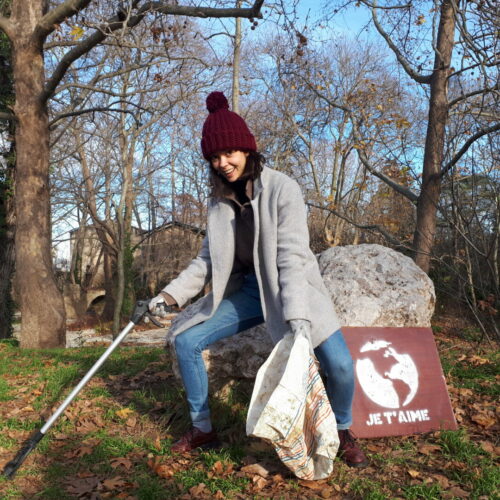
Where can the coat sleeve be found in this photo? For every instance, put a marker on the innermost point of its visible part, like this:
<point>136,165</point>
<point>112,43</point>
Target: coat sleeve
<point>292,252</point>
<point>191,281</point>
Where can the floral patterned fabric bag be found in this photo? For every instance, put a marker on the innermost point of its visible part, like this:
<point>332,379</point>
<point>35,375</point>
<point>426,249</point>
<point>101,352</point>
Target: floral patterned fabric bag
<point>290,409</point>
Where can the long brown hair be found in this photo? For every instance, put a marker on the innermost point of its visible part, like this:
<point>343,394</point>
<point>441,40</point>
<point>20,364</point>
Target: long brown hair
<point>221,187</point>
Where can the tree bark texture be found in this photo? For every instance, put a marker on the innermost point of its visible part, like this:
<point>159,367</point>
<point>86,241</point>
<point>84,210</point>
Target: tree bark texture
<point>236,63</point>
<point>7,213</point>
<point>43,322</point>
<point>7,259</point>
<point>434,142</point>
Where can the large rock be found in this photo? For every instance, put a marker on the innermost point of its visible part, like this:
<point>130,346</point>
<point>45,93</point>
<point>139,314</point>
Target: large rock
<point>370,285</point>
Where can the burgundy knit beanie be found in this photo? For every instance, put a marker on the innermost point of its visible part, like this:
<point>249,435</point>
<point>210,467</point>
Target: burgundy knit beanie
<point>224,129</point>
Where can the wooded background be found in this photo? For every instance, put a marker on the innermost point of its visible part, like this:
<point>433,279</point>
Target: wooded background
<point>392,133</point>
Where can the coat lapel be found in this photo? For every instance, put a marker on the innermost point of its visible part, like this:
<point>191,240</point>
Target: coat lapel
<point>221,236</point>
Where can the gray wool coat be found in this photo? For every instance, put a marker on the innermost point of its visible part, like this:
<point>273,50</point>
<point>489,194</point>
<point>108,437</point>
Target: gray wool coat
<point>287,271</point>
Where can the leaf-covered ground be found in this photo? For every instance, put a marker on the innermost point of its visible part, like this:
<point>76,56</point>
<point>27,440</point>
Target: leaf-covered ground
<point>114,440</point>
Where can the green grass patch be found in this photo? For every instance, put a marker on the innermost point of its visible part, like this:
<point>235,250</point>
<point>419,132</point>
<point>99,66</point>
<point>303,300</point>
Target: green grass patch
<point>6,442</point>
<point>98,392</point>
<point>481,475</point>
<point>10,342</point>
<point>108,448</point>
<point>368,489</point>
<point>457,446</point>
<point>481,378</point>
<point>5,393</point>
<point>20,425</point>
<point>11,492</point>
<point>425,491</point>
<point>54,492</point>
<point>152,488</point>
<point>128,380</point>
<point>195,476</point>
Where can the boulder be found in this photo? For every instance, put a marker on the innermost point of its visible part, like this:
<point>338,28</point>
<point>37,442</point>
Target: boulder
<point>370,285</point>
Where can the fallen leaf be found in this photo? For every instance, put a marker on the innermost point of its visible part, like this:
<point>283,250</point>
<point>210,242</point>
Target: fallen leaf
<point>80,487</point>
<point>255,469</point>
<point>259,482</point>
<point>157,443</point>
<point>121,462</point>
<point>487,446</point>
<point>326,493</point>
<point>442,481</point>
<point>115,483</point>
<point>219,495</point>
<point>197,490</point>
<point>477,360</point>
<point>456,491</point>
<point>218,467</point>
<point>484,420</point>
<point>59,436</point>
<point>131,422</point>
<point>79,452</point>
<point>85,474</point>
<point>124,412</point>
<point>428,449</point>
<point>312,485</point>
<point>164,471</point>
<point>413,473</point>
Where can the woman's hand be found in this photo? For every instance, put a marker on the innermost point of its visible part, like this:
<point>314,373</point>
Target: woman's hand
<point>161,305</point>
<point>301,327</point>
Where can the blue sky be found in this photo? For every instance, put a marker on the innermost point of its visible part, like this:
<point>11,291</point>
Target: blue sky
<point>351,20</point>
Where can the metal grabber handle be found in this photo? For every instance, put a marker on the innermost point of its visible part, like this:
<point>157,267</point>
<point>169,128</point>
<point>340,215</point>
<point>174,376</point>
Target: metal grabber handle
<point>140,310</point>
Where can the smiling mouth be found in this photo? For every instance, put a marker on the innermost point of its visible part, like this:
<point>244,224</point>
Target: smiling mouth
<point>228,172</point>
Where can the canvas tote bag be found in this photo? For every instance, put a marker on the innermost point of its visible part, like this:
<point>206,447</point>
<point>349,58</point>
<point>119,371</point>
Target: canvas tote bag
<point>290,409</point>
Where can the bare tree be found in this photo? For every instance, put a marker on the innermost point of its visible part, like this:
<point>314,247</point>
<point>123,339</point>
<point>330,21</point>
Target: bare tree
<point>426,56</point>
<point>27,27</point>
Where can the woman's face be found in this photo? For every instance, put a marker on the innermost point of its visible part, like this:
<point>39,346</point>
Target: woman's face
<point>229,163</point>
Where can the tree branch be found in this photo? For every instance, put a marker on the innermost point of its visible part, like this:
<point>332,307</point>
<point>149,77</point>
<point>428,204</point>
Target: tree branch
<point>204,12</point>
<point>49,21</point>
<point>6,26</point>
<point>471,94</point>
<point>419,78</point>
<point>116,23</point>
<point>399,188</point>
<point>167,225</point>
<point>89,110</point>
<point>10,117</point>
<point>369,227</point>
<point>467,145</point>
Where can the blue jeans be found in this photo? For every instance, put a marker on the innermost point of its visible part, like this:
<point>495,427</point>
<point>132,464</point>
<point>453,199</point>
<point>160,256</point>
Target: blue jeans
<point>238,312</point>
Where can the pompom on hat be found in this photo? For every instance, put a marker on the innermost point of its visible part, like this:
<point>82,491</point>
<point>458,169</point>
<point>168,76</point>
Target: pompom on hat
<point>224,129</point>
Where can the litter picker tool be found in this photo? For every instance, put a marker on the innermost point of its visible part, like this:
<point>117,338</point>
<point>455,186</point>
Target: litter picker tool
<point>140,311</point>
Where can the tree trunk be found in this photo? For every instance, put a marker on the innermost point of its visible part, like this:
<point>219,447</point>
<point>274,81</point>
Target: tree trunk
<point>42,307</point>
<point>427,206</point>
<point>236,63</point>
<point>7,259</point>
<point>109,284</point>
<point>120,291</point>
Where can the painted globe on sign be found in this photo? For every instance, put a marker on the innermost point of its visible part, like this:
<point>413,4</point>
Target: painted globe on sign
<point>388,378</point>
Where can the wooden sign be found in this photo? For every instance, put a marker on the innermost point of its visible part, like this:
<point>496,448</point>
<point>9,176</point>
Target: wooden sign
<point>400,386</point>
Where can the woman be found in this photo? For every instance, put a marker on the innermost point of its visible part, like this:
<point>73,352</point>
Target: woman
<point>256,254</point>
